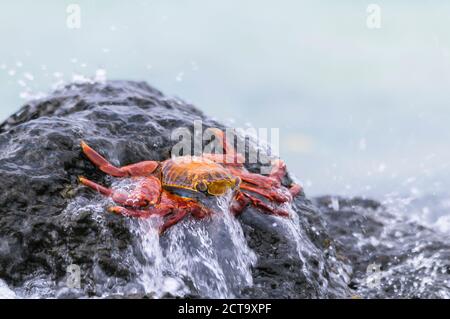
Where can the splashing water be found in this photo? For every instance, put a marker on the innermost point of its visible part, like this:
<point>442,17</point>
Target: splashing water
<point>305,249</point>
<point>5,292</point>
<point>191,257</point>
<point>208,257</point>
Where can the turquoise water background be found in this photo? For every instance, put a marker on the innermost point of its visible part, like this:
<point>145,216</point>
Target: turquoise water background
<point>361,111</point>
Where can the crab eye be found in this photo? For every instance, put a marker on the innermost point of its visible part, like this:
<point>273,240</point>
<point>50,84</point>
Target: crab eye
<point>219,188</point>
<point>201,186</point>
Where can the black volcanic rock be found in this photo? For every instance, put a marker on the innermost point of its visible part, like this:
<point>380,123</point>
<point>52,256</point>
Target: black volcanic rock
<point>410,260</point>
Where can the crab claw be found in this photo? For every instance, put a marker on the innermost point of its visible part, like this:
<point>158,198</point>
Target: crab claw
<point>99,188</point>
<point>144,168</point>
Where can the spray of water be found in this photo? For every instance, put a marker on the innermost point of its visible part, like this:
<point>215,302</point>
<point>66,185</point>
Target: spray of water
<point>305,249</point>
<point>6,292</point>
<point>208,257</point>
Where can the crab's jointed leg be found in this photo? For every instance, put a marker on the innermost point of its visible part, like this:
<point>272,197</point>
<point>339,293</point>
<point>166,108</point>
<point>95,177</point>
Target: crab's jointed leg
<point>144,213</point>
<point>134,212</point>
<point>97,187</point>
<point>278,170</point>
<point>241,200</point>
<point>295,189</point>
<point>181,207</point>
<point>255,179</point>
<point>144,168</point>
<point>274,195</point>
<point>267,186</point>
<point>177,215</point>
<point>171,207</point>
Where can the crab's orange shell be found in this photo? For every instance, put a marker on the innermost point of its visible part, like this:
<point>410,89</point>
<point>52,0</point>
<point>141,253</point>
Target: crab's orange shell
<point>197,174</point>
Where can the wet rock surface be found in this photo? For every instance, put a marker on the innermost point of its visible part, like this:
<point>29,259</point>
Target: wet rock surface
<point>48,222</point>
<point>391,257</point>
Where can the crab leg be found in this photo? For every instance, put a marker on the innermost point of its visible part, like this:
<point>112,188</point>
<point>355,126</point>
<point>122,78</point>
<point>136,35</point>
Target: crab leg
<point>172,207</point>
<point>255,179</point>
<point>144,168</point>
<point>181,207</point>
<point>162,208</point>
<point>260,183</point>
<point>184,207</point>
<point>295,189</point>
<point>144,213</point>
<point>178,215</point>
<point>241,200</point>
<point>146,193</point>
<point>278,170</point>
<point>273,180</point>
<point>275,195</point>
<point>239,203</point>
<point>97,187</point>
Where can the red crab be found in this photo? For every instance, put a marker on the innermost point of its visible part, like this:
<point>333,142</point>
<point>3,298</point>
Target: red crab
<point>158,185</point>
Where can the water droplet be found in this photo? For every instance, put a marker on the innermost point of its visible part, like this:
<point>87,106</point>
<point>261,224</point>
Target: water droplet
<point>100,75</point>
<point>179,77</point>
<point>362,144</point>
<point>28,76</point>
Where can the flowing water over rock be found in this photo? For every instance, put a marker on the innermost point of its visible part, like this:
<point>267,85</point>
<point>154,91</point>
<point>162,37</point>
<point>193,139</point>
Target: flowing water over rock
<point>52,228</point>
<point>211,256</point>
